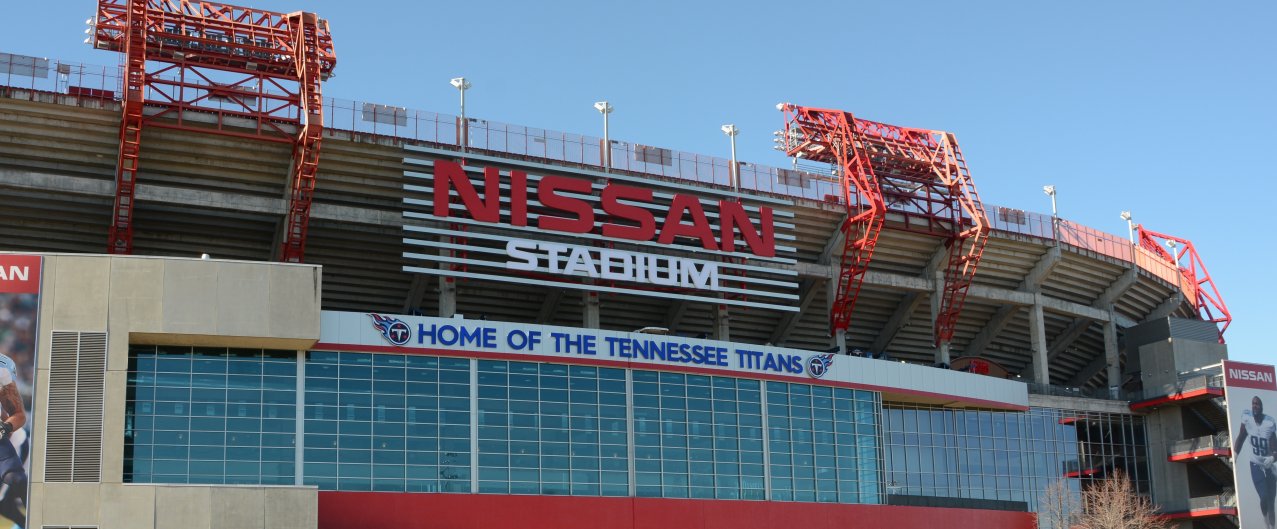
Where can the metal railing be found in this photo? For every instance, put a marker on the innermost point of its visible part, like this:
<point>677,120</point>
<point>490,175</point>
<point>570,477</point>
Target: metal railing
<point>1071,391</point>
<point>1186,383</point>
<point>90,83</point>
<point>1219,441</point>
<point>1220,501</point>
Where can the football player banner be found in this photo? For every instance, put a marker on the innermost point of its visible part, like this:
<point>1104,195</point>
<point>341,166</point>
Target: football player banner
<point>1251,391</point>
<point>19,308</point>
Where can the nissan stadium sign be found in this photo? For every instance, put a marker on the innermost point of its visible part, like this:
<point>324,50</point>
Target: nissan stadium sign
<point>496,219</point>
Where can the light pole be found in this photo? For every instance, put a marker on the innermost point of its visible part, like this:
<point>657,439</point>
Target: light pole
<point>1130,226</point>
<point>731,131</point>
<point>605,108</point>
<point>1179,289</point>
<point>1055,216</point>
<point>461,84</point>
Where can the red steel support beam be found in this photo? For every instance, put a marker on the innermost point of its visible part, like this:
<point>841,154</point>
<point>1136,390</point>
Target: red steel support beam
<point>249,73</point>
<point>306,149</point>
<point>1203,293</point>
<point>120,236</point>
<point>830,136</point>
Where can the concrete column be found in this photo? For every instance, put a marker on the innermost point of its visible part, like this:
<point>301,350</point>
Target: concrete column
<point>937,295</point>
<point>840,341</point>
<point>722,323</point>
<point>590,318</point>
<point>447,297</point>
<point>942,353</point>
<point>1111,354</point>
<point>1037,337</point>
<point>447,285</point>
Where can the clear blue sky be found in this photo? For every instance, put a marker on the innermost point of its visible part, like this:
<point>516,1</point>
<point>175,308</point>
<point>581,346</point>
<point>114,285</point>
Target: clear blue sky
<point>1163,108</point>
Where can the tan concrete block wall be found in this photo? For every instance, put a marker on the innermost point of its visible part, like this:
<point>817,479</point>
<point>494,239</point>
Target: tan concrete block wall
<point>171,302</point>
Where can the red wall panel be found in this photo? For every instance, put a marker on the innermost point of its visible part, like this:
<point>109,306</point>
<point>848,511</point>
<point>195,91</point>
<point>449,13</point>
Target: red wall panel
<point>379,510</point>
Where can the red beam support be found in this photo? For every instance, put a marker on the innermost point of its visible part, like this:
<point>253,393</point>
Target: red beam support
<point>120,236</point>
<point>829,136</point>
<point>920,173</point>
<point>1203,293</point>
<point>306,150</point>
<point>227,70</point>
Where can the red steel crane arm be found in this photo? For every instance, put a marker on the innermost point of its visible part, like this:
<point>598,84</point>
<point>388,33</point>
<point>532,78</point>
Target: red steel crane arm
<point>829,136</point>
<point>1204,293</point>
<point>918,172</point>
<point>219,62</point>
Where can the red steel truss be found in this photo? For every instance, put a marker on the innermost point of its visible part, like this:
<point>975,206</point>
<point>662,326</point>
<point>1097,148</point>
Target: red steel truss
<point>918,173</point>
<point>224,70</point>
<point>1202,291</point>
<point>830,136</point>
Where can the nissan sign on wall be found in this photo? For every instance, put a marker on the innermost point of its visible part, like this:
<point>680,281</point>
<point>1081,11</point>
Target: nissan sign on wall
<point>487,218</point>
<point>1251,392</point>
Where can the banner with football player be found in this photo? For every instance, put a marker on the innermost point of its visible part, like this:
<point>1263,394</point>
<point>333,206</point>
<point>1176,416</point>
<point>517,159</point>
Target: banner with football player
<point>19,309</point>
<point>1251,391</point>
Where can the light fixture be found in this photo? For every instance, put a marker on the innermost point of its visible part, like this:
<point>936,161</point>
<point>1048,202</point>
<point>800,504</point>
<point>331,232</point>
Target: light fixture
<point>461,84</point>
<point>1130,226</point>
<point>605,108</point>
<point>731,131</point>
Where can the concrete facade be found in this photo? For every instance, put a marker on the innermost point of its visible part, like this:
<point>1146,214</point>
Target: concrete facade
<point>167,301</point>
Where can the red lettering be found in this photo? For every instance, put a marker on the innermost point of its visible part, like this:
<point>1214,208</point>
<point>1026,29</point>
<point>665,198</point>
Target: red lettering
<point>518,198</point>
<point>732,218</point>
<point>612,195</point>
<point>699,228</point>
<point>449,175</point>
<point>584,212</point>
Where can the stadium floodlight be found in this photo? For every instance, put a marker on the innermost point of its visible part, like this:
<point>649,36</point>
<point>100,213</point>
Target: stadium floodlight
<point>605,108</point>
<point>461,84</point>
<point>1174,254</point>
<point>731,131</point>
<point>1055,216</point>
<point>1130,226</point>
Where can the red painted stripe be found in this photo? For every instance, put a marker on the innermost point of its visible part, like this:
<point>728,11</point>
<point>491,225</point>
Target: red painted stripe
<point>374,510</point>
<point>1079,473</point>
<point>577,360</point>
<point>1215,392</point>
<point>1201,513</point>
<point>1209,452</point>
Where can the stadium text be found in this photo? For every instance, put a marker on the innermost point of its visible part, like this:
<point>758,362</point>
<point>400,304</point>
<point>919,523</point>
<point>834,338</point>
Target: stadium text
<point>1247,374</point>
<point>611,264</point>
<point>654,350</point>
<point>568,206</point>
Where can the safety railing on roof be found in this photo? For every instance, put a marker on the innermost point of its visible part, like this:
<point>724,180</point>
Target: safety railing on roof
<point>92,84</point>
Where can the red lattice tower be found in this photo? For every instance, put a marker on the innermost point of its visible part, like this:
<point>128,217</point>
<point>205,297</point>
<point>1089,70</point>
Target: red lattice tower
<point>830,136</point>
<point>917,173</point>
<point>220,69</point>
<point>1202,290</point>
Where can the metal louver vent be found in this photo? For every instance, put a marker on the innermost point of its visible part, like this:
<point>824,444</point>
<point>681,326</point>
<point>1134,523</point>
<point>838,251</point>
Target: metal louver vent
<point>73,441</point>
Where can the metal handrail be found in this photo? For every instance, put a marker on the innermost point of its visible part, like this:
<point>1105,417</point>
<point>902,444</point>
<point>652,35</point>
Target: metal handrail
<point>1219,441</point>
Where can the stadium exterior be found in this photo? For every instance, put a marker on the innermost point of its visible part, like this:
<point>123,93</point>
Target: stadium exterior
<point>396,379</point>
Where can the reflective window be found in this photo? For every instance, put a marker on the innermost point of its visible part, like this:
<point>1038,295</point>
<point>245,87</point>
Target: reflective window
<point>552,429</point>
<point>387,422</point>
<point>1010,456</point>
<point>823,443</point>
<point>210,416</point>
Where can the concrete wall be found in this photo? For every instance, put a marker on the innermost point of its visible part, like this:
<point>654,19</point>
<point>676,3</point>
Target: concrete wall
<point>1161,362</point>
<point>171,301</point>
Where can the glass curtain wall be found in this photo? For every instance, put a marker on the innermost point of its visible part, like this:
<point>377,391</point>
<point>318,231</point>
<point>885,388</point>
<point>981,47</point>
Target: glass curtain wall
<point>211,416</point>
<point>1009,456</point>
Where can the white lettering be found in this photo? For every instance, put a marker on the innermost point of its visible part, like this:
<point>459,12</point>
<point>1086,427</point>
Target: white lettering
<point>580,261</point>
<point>16,273</point>
<point>1253,376</point>
<point>519,249</point>
<point>616,265</point>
